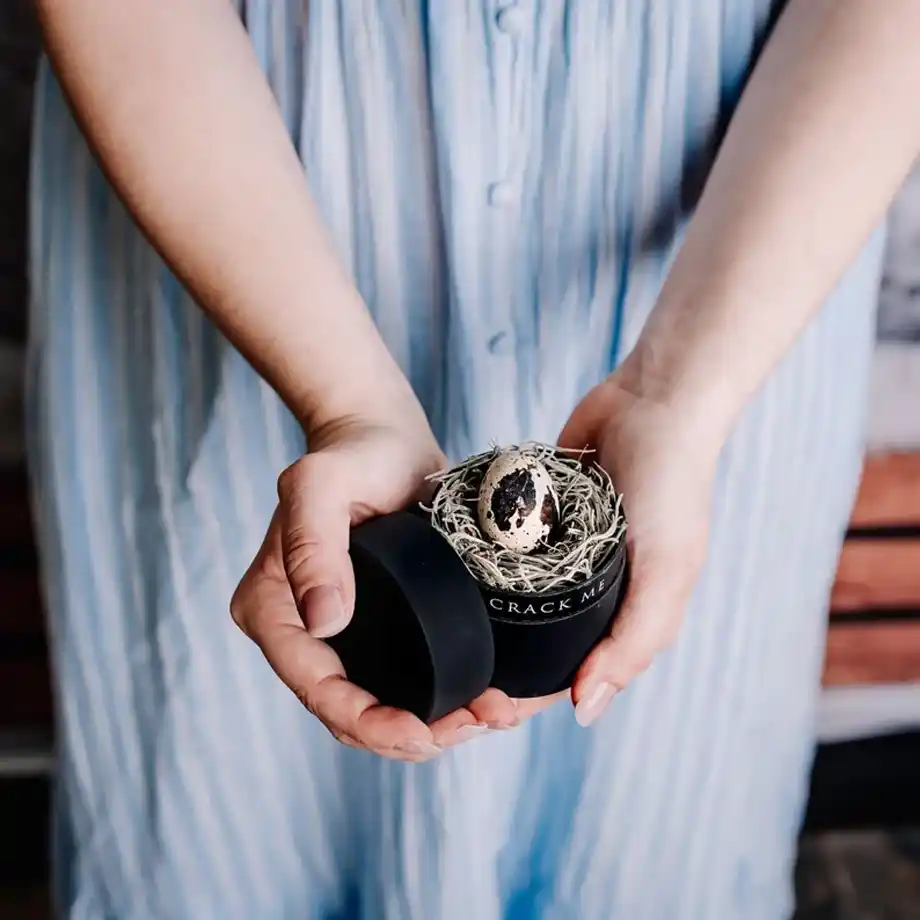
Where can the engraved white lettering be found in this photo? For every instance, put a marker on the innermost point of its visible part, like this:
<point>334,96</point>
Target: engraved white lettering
<point>547,607</point>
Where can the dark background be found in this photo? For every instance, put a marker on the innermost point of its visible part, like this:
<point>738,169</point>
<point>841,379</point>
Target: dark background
<point>18,47</point>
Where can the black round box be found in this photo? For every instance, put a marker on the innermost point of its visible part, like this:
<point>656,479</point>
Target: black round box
<point>541,641</point>
<point>428,638</point>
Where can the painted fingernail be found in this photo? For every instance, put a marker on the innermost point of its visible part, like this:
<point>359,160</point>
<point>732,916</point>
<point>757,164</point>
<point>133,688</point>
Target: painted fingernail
<point>468,732</point>
<point>593,703</point>
<point>420,748</point>
<point>323,611</point>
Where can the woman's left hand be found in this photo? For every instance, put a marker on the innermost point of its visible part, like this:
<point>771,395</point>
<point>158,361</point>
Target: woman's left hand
<point>664,467</point>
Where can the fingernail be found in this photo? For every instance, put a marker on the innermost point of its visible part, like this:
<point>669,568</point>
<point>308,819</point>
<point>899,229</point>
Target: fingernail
<point>593,703</point>
<point>513,722</point>
<point>423,748</point>
<point>323,611</point>
<point>468,732</point>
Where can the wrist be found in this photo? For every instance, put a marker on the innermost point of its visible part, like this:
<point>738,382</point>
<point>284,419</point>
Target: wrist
<point>388,402</point>
<point>344,371</point>
<point>698,397</point>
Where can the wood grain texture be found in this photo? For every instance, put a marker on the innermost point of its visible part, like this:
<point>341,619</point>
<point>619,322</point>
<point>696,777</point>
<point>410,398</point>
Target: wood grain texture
<point>877,574</point>
<point>872,653</point>
<point>889,494</point>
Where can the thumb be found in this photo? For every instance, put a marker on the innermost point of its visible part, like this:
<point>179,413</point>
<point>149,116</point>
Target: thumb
<point>581,428</point>
<point>315,523</point>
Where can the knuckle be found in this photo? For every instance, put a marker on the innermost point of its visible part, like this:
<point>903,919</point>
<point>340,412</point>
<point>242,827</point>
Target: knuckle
<point>637,655</point>
<point>291,478</point>
<point>238,609</point>
<point>642,660</point>
<point>647,647</point>
<point>302,551</point>
<point>300,541</point>
<point>345,738</point>
<point>307,474</point>
<point>309,703</point>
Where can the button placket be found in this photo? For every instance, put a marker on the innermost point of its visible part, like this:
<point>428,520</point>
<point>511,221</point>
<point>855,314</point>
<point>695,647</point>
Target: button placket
<point>511,20</point>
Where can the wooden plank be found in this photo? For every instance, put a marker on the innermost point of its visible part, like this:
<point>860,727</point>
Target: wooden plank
<point>872,653</point>
<point>889,494</point>
<point>878,574</point>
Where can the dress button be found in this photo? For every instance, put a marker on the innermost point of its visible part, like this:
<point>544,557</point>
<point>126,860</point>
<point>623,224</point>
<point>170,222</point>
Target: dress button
<point>501,343</point>
<point>501,194</point>
<point>512,20</point>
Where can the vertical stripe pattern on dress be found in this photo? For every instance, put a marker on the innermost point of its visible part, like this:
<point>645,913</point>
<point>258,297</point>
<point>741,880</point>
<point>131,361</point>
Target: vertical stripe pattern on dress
<point>508,181</point>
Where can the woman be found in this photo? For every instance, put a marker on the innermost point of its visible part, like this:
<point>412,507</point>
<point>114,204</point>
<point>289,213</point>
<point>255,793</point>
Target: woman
<point>504,189</point>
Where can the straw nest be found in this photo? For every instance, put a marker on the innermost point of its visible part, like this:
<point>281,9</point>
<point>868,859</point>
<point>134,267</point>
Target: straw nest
<point>591,522</point>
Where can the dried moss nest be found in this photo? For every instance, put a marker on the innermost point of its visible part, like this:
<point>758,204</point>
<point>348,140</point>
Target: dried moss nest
<point>591,522</point>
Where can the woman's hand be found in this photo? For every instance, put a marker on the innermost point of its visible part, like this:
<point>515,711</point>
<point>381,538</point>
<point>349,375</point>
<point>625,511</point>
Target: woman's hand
<point>300,588</point>
<point>665,474</point>
<point>825,133</point>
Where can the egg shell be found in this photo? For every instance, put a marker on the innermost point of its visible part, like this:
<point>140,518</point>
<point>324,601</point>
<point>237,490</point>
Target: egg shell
<point>518,506</point>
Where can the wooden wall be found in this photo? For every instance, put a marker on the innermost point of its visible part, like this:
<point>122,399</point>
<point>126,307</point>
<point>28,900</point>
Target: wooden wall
<point>875,605</point>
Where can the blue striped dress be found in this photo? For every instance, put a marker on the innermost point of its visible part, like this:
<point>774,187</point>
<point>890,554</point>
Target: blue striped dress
<point>508,182</point>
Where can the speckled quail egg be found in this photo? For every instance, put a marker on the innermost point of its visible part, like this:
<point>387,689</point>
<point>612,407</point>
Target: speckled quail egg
<point>518,506</point>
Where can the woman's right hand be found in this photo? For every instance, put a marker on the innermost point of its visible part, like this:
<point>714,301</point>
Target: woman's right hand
<point>300,587</point>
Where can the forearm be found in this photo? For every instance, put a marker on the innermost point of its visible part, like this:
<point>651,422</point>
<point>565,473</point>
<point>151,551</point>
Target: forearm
<point>171,98</point>
<point>824,135</point>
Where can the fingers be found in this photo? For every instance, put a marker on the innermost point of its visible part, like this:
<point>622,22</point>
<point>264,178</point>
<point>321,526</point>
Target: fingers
<point>264,609</point>
<point>302,577</point>
<point>528,708</point>
<point>496,709</point>
<point>492,711</point>
<point>315,521</point>
<point>647,624</point>
<point>314,673</point>
<point>456,728</point>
